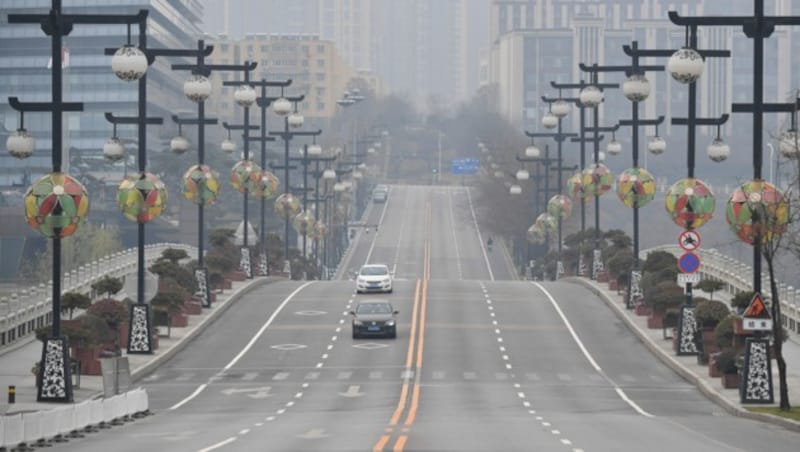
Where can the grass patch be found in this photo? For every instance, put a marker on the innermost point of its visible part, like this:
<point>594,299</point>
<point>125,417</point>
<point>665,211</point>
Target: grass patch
<point>793,414</point>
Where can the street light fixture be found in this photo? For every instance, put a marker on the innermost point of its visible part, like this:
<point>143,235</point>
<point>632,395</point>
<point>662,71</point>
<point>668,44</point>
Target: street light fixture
<point>718,150</point>
<point>197,88</point>
<point>613,147</point>
<point>129,63</point>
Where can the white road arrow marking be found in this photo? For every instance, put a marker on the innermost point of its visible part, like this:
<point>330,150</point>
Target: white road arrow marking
<point>352,391</point>
<point>257,393</point>
<point>314,433</point>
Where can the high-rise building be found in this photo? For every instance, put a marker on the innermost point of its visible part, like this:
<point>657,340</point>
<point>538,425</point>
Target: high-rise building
<point>24,61</point>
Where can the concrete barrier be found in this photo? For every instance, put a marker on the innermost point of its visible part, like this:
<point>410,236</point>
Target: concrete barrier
<point>14,431</point>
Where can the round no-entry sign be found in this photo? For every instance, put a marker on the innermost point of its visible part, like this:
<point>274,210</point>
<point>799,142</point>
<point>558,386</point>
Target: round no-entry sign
<point>689,240</point>
<point>688,262</point>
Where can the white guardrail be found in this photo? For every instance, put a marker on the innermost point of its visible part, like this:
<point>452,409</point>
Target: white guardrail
<point>738,277</point>
<point>25,430</point>
<point>25,311</point>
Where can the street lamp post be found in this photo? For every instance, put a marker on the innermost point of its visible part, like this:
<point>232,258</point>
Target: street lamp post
<point>582,139</point>
<point>636,88</point>
<point>686,325</point>
<point>534,155</point>
<point>55,360</point>
<point>263,101</point>
<point>559,136</point>
<point>757,27</point>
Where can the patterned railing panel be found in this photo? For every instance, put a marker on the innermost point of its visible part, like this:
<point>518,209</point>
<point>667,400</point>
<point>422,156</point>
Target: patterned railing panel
<point>738,277</point>
<point>24,311</point>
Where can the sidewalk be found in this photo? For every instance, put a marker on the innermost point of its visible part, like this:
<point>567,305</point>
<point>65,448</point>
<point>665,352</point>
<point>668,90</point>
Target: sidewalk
<point>15,365</point>
<point>687,367</point>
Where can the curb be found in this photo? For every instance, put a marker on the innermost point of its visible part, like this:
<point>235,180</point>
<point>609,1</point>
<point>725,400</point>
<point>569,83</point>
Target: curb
<point>679,368</point>
<point>141,371</point>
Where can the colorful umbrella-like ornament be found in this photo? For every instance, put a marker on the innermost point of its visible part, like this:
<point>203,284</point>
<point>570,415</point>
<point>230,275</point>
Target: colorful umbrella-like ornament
<point>141,197</point>
<point>575,187</point>
<point>269,185</point>
<point>690,203</point>
<point>597,179</point>
<point>636,187</point>
<point>200,184</point>
<point>287,205</point>
<point>559,206</point>
<point>303,223</point>
<point>545,224</point>
<point>246,176</point>
<point>56,205</point>
<point>757,209</point>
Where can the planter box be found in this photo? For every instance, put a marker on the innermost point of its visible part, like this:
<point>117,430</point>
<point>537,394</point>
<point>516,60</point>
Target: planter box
<point>236,276</point>
<point>602,277</point>
<point>192,307</point>
<point>178,320</point>
<point>655,321</point>
<point>227,284</point>
<point>712,366</point>
<point>612,285</point>
<point>730,381</point>
<point>642,310</point>
<point>89,358</point>
<point>123,335</point>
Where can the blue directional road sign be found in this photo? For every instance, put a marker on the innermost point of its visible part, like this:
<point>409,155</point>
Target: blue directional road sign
<point>464,166</point>
<point>688,262</point>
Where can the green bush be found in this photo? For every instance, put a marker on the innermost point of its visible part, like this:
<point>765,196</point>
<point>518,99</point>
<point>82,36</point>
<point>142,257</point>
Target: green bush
<point>108,285</point>
<point>659,260</point>
<point>710,286</point>
<point>165,268</point>
<point>71,301</point>
<point>742,300</point>
<point>113,312</point>
<point>671,318</point>
<point>85,331</point>
<point>173,255</point>
<point>170,296</point>
<point>709,313</point>
<point>723,333</point>
<point>664,296</point>
<point>726,362</point>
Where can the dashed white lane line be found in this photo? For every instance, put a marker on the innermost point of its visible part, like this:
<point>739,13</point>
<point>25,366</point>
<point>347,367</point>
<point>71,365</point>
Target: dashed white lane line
<point>218,445</point>
<point>281,411</point>
<point>305,385</point>
<point>319,365</point>
<point>269,418</point>
<point>521,395</point>
<point>259,424</point>
<point>341,321</point>
<point>245,431</point>
<point>325,356</point>
<point>497,331</point>
<point>555,432</point>
<point>330,346</point>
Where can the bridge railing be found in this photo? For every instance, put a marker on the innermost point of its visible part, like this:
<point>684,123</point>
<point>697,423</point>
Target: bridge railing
<point>738,277</point>
<point>23,312</point>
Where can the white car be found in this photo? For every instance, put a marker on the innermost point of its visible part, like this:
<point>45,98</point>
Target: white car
<point>374,278</point>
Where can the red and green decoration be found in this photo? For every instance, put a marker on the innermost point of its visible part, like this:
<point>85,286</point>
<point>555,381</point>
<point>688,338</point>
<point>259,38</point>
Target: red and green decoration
<point>544,225</point>
<point>200,184</point>
<point>690,203</point>
<point>757,210</point>
<point>142,197</point>
<point>56,205</point>
<point>246,176</point>
<point>318,231</point>
<point>575,187</point>
<point>597,179</point>
<point>269,185</point>
<point>287,205</point>
<point>636,187</point>
<point>560,207</point>
<point>304,223</point>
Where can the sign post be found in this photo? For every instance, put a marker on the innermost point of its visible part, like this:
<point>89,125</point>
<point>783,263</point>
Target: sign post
<point>756,384</point>
<point>688,264</point>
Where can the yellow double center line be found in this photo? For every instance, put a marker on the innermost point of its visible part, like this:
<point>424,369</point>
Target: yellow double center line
<point>409,394</point>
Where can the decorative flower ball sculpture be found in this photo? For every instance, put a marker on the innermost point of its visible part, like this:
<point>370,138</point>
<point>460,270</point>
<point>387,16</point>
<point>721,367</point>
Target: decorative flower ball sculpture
<point>56,205</point>
<point>559,206</point>
<point>200,184</point>
<point>269,185</point>
<point>597,179</point>
<point>636,187</point>
<point>304,223</point>
<point>690,203</point>
<point>287,205</point>
<point>544,225</point>
<point>575,187</point>
<point>246,176</point>
<point>757,209</point>
<point>319,231</point>
<point>142,197</point>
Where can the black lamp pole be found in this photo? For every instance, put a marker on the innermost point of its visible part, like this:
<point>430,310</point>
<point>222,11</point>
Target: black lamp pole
<point>541,194</point>
<point>686,325</point>
<point>633,69</point>
<point>55,366</point>
<point>263,102</point>
<point>582,139</point>
<point>559,136</point>
<point>756,27</point>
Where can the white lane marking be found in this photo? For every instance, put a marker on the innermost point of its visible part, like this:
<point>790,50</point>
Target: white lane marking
<point>281,376</point>
<point>305,385</point>
<point>218,445</point>
<point>532,411</point>
<point>546,424</point>
<point>555,432</point>
<point>494,322</point>
<point>270,418</point>
<point>325,356</point>
<point>497,330</point>
<point>319,365</point>
<point>246,347</point>
<point>521,395</point>
<point>375,237</point>
<point>281,411</point>
<point>258,424</point>
<point>298,395</point>
<point>505,357</point>
<point>453,229</point>
<point>330,346</point>
<point>588,356</point>
<point>508,366</point>
<point>245,431</point>
<point>517,385</point>
<point>289,404</point>
<point>344,375</point>
<point>502,349</point>
<point>491,314</point>
<point>566,442</point>
<point>527,404</point>
<point>341,321</point>
<point>480,238</point>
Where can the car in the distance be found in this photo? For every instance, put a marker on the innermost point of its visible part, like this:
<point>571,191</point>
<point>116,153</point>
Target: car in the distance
<point>380,193</point>
<point>374,278</point>
<point>374,318</point>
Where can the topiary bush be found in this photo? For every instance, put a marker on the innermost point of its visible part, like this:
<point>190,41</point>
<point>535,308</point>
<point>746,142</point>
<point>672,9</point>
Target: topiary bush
<point>110,310</point>
<point>709,313</point>
<point>170,296</point>
<point>723,332</point>
<point>71,301</point>
<point>726,362</point>
<point>742,300</point>
<point>108,285</point>
<point>664,295</point>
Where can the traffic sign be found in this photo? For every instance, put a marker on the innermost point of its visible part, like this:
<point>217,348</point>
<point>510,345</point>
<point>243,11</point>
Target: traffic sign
<point>688,262</point>
<point>756,317</point>
<point>689,240</point>
<point>686,278</point>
